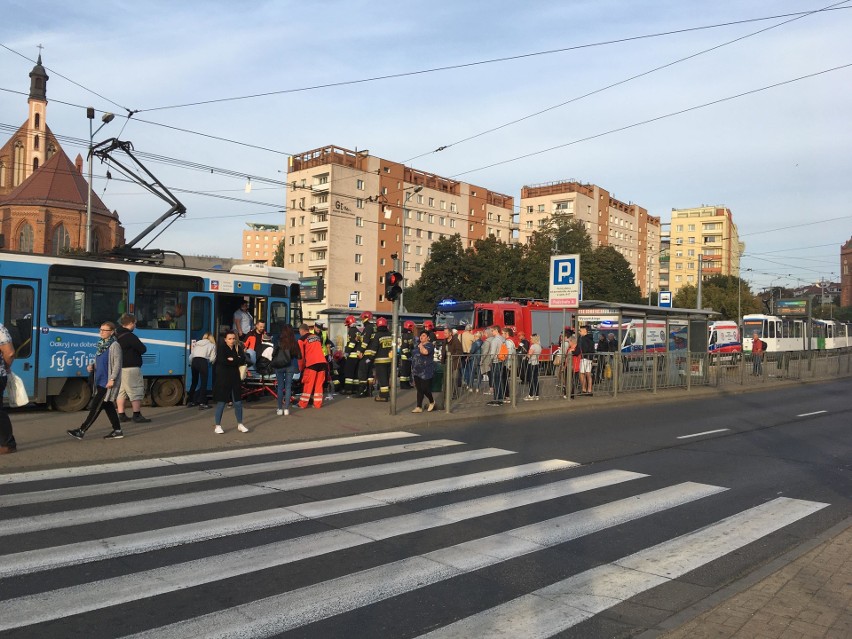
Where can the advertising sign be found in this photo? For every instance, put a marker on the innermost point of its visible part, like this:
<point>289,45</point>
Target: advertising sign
<point>792,308</point>
<point>564,281</point>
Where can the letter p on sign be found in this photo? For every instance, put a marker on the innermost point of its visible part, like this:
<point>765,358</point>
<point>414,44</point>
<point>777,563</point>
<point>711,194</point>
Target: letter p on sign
<point>563,272</point>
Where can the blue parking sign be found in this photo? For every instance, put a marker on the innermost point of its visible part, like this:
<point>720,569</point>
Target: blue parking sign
<point>564,271</point>
<point>564,289</point>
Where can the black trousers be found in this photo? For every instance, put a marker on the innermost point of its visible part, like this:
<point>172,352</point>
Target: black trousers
<point>98,405</point>
<point>350,373</point>
<point>7,438</point>
<point>200,369</point>
<point>383,378</point>
<point>424,389</point>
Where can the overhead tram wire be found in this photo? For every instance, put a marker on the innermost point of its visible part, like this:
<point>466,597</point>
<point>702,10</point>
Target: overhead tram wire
<point>624,81</point>
<point>476,63</point>
<point>655,119</point>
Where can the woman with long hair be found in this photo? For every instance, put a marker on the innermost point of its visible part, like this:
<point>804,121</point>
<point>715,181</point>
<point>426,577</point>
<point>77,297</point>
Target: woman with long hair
<point>285,363</point>
<point>227,386</point>
<point>532,367</point>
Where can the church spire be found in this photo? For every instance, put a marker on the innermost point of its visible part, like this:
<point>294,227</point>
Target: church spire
<point>38,81</point>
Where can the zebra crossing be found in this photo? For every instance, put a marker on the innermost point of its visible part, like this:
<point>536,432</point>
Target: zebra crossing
<point>144,549</point>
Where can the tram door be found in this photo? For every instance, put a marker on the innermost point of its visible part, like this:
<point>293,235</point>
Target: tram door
<point>18,309</point>
<point>201,321</point>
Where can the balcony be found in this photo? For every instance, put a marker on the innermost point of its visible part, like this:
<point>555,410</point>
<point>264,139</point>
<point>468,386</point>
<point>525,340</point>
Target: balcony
<point>317,243</point>
<point>319,222</point>
<point>323,263</point>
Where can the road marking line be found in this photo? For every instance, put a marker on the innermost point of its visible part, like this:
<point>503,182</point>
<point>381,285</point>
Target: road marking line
<point>819,412</point>
<point>555,608</point>
<point>64,602</point>
<point>143,464</point>
<point>706,432</point>
<point>197,476</point>
<point>178,502</point>
<point>135,543</point>
<point>264,618</point>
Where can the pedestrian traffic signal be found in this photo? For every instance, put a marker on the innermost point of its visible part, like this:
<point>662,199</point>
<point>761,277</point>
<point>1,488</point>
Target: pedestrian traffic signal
<point>393,285</point>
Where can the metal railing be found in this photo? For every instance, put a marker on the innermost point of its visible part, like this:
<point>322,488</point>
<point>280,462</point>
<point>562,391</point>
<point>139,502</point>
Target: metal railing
<point>475,380</point>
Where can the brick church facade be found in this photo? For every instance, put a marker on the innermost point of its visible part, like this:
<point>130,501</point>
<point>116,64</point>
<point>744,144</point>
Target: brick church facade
<point>43,194</point>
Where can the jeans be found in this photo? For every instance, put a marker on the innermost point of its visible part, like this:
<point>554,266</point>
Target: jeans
<point>238,411</point>
<point>284,377</point>
<point>532,373</point>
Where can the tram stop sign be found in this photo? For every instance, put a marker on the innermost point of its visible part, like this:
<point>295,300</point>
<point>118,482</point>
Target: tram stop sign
<point>353,300</point>
<point>665,299</point>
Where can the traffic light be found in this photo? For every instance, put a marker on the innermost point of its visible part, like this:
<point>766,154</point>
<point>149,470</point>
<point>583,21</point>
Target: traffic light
<point>393,285</point>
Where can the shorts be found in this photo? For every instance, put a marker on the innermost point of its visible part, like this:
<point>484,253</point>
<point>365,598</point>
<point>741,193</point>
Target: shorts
<point>585,366</point>
<point>132,384</point>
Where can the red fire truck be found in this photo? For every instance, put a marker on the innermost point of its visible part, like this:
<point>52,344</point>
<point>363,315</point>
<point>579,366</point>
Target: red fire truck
<point>526,316</point>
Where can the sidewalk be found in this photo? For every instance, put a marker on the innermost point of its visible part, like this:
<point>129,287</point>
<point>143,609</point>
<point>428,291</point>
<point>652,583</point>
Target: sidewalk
<point>798,596</point>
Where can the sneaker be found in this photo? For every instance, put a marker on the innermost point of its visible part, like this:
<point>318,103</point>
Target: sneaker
<point>77,433</point>
<point>529,398</point>
<point>123,418</point>
<point>218,430</point>
<point>286,411</point>
<point>242,428</point>
<point>116,434</point>
<point>417,409</point>
<point>139,419</point>
<point>279,412</point>
<point>203,406</point>
<point>495,402</point>
<point>431,407</point>
<point>536,398</point>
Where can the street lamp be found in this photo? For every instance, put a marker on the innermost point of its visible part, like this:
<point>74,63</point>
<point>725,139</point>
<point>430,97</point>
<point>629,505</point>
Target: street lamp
<point>105,119</point>
<point>411,191</point>
<point>397,303</point>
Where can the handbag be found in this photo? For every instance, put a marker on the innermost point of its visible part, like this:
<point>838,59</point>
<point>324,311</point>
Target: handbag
<point>243,371</point>
<point>17,392</point>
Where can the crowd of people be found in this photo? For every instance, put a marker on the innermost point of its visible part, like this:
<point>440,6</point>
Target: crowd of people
<point>479,361</point>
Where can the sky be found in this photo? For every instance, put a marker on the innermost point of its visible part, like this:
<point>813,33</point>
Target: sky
<point>780,159</point>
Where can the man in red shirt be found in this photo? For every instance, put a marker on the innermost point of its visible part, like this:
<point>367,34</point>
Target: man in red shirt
<point>312,366</point>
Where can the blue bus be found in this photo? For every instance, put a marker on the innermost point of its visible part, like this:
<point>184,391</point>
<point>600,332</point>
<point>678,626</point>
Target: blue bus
<point>53,307</point>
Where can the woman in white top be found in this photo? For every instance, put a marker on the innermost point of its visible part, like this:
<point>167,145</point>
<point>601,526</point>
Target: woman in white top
<point>202,356</point>
<point>532,367</point>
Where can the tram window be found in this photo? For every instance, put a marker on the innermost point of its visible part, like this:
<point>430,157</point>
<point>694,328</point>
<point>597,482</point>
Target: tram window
<point>85,297</point>
<point>18,318</point>
<point>161,299</point>
<point>279,317</point>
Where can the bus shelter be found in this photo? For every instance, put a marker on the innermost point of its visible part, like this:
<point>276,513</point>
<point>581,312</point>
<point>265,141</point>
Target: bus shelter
<point>656,345</point>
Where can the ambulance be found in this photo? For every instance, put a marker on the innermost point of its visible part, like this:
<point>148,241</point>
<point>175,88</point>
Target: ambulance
<point>724,342</point>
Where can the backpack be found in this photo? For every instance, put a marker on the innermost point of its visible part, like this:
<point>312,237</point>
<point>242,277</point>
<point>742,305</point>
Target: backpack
<point>763,346</point>
<point>281,359</point>
<point>504,352</point>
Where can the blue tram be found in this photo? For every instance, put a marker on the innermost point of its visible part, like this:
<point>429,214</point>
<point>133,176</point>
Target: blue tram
<point>53,307</point>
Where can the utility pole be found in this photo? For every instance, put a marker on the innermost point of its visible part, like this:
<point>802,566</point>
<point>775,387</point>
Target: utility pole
<point>700,280</point>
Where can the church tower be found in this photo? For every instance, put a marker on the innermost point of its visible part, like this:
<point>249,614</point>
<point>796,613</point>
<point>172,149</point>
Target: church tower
<point>35,152</point>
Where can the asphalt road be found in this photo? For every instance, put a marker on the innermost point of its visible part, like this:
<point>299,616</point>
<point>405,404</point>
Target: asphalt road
<point>593,523</point>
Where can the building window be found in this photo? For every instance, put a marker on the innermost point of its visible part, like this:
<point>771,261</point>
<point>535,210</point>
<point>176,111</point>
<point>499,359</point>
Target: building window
<point>359,203</point>
<point>443,205</point>
<point>359,241</point>
<point>359,258</point>
<point>357,277</point>
<point>452,224</point>
<point>419,199</point>
<point>25,238</point>
<point>453,207</point>
<point>359,221</point>
<point>431,202</point>
<point>61,240</point>
<point>359,184</point>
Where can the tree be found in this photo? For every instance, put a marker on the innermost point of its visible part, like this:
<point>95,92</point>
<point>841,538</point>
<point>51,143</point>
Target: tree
<point>443,276</point>
<point>607,276</point>
<point>562,236</point>
<point>278,257</point>
<point>720,292</point>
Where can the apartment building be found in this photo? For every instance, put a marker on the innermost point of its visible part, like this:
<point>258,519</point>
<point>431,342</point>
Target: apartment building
<point>665,256</point>
<point>349,213</point>
<point>261,240</point>
<point>610,222</point>
<point>707,231</point>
